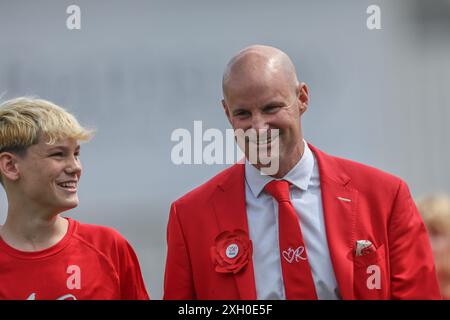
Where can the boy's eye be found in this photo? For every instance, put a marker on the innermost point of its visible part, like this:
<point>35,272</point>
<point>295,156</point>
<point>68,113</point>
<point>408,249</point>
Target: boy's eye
<point>57,154</point>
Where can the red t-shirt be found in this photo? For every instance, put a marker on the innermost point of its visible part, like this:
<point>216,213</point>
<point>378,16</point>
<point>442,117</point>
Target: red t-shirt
<point>90,262</point>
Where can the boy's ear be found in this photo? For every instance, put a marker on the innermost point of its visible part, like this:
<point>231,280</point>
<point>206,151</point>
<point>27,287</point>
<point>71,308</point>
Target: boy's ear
<point>8,166</point>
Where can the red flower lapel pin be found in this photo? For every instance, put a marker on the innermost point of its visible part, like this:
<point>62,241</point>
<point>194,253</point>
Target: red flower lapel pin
<point>232,251</point>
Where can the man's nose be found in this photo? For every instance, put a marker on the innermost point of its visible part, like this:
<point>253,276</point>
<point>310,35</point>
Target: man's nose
<point>259,122</point>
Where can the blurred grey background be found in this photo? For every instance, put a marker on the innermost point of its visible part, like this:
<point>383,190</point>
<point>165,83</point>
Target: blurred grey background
<point>137,70</point>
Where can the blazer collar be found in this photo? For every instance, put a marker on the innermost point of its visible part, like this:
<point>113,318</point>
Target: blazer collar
<point>339,202</point>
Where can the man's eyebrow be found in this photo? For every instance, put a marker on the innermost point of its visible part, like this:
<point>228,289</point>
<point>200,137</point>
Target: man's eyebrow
<point>274,104</point>
<point>271,104</point>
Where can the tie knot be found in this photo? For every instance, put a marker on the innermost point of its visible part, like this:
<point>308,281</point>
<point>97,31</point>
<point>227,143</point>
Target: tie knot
<point>279,189</point>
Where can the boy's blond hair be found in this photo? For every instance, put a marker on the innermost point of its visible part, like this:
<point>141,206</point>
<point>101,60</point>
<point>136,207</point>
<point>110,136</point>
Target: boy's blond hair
<point>23,121</point>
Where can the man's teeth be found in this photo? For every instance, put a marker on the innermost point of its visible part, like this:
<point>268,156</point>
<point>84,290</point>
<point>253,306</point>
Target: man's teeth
<point>264,140</point>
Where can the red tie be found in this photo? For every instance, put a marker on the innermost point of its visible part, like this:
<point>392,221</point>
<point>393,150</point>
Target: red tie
<point>297,276</point>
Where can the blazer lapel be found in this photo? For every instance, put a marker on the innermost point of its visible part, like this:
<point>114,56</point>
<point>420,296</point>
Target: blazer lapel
<point>231,214</point>
<point>339,207</point>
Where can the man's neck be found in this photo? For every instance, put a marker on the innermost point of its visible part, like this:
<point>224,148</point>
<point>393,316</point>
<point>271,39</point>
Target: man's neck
<point>31,231</point>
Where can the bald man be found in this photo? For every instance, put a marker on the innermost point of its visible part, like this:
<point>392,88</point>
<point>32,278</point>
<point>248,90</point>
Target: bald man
<point>318,227</point>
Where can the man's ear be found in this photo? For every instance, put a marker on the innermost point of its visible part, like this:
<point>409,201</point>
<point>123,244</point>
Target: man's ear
<point>227,112</point>
<point>9,166</point>
<point>303,96</point>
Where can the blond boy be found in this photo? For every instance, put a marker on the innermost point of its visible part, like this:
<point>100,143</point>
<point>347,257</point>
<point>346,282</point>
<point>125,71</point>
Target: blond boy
<point>44,255</point>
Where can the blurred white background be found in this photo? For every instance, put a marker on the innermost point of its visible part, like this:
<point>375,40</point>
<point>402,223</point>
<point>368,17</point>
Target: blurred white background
<point>137,70</point>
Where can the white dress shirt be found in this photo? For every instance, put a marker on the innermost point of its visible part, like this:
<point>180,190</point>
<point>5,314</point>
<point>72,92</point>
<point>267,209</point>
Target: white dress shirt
<point>262,216</point>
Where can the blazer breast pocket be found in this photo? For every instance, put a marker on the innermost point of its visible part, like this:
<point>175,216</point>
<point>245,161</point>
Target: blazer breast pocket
<point>370,276</point>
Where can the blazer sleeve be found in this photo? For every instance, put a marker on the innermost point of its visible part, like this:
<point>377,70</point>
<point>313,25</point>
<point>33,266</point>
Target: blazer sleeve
<point>178,279</point>
<point>412,269</point>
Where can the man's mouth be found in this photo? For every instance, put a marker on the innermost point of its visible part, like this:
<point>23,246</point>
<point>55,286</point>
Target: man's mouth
<point>265,140</point>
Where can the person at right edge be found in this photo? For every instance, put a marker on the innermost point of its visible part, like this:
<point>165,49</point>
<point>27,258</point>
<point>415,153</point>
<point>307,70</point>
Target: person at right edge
<point>435,211</point>
<point>319,227</point>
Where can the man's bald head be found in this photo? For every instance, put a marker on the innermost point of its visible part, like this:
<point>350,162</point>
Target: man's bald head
<point>256,64</point>
<point>261,92</point>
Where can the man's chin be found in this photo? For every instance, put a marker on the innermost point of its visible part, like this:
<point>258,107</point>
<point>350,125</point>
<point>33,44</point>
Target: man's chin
<point>266,165</point>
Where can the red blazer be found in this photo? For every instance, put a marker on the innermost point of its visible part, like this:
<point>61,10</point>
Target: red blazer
<point>381,210</point>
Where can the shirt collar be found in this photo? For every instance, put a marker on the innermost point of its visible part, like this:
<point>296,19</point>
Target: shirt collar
<point>299,175</point>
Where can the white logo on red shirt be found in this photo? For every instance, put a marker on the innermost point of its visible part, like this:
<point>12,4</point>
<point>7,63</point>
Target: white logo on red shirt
<point>64,297</point>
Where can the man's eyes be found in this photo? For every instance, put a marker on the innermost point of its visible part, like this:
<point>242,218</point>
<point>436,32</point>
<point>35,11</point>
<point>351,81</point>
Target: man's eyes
<point>267,110</point>
<point>272,109</point>
<point>241,114</point>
